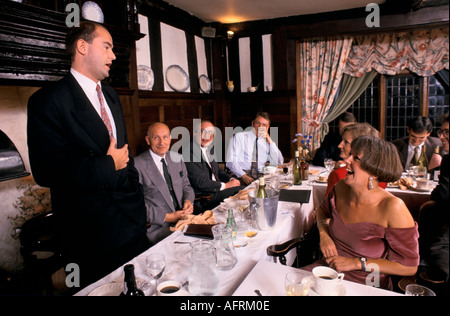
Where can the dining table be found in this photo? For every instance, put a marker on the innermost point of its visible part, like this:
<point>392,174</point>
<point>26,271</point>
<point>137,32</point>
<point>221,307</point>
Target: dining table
<point>260,283</point>
<point>293,219</point>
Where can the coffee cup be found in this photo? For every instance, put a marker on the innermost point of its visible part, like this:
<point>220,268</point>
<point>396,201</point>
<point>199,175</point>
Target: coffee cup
<point>170,288</point>
<point>327,281</point>
<point>422,184</point>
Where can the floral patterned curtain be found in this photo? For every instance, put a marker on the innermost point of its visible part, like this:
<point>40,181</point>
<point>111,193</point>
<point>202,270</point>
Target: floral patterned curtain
<point>322,65</point>
<point>423,52</point>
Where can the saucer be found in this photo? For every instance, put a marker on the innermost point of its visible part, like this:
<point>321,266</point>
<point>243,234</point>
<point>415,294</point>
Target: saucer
<point>341,291</point>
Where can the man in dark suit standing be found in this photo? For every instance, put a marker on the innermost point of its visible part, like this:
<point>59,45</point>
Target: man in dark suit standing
<point>410,147</point>
<point>168,194</point>
<point>204,173</point>
<point>77,144</point>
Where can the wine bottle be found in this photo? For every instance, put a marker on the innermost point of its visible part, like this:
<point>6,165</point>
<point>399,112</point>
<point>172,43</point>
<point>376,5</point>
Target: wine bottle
<point>296,170</point>
<point>304,165</point>
<point>435,161</point>
<point>130,288</point>
<point>423,163</point>
<point>261,194</point>
<point>231,223</point>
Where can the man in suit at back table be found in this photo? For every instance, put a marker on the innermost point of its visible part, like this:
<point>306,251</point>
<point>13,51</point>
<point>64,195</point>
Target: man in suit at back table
<point>168,193</point>
<point>204,173</point>
<point>77,143</point>
<point>409,148</point>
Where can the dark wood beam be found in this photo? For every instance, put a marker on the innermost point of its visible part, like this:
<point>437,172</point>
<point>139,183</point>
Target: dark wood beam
<point>431,16</point>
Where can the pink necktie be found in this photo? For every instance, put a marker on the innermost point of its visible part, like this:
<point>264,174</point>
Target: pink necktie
<point>103,113</point>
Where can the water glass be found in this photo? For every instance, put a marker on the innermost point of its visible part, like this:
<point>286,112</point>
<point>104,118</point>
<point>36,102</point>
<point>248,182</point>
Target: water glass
<point>297,284</point>
<point>329,164</point>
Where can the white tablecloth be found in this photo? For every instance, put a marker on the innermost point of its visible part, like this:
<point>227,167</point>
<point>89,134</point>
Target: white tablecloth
<point>272,284</point>
<point>292,219</point>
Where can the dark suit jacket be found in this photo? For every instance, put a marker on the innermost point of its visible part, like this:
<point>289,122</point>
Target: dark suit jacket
<point>158,200</point>
<point>100,211</point>
<point>440,194</point>
<point>200,174</point>
<point>402,147</point>
<point>328,149</point>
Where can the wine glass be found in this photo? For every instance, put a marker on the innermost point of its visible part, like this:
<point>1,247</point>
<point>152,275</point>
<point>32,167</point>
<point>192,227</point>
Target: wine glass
<point>418,290</point>
<point>329,164</point>
<point>155,264</point>
<point>296,284</point>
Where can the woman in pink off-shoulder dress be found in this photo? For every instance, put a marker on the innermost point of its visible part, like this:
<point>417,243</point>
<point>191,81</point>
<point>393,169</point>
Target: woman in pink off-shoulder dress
<point>363,226</point>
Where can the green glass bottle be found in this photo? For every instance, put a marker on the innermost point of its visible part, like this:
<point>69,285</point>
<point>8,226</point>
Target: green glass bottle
<point>130,288</point>
<point>297,170</point>
<point>261,194</point>
<point>231,223</point>
<point>423,163</point>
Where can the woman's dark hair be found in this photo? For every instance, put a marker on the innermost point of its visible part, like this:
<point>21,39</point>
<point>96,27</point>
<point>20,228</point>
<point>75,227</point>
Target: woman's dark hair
<point>378,157</point>
<point>360,129</point>
<point>420,124</point>
<point>86,32</point>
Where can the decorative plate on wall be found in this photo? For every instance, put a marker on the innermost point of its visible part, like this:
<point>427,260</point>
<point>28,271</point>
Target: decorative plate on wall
<point>205,83</point>
<point>146,78</point>
<point>177,78</point>
<point>91,11</point>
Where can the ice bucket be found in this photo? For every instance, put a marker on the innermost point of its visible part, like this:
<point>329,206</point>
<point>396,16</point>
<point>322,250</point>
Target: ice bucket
<point>266,215</point>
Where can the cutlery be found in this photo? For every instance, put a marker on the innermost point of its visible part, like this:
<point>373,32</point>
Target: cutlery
<point>258,292</point>
<point>182,242</point>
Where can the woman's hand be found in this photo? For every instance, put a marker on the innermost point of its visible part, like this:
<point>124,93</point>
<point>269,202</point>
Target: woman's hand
<point>342,264</point>
<point>327,246</point>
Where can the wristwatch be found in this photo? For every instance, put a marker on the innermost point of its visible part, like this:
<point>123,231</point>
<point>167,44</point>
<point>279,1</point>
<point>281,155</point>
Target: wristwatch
<point>363,263</point>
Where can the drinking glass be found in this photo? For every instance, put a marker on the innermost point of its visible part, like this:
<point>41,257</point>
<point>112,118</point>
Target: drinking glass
<point>329,164</point>
<point>155,264</point>
<point>418,290</point>
<point>296,284</point>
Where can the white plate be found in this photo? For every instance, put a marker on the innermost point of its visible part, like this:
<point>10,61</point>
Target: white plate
<point>108,289</point>
<point>177,78</point>
<point>421,189</point>
<point>205,84</point>
<point>145,77</point>
<point>91,11</point>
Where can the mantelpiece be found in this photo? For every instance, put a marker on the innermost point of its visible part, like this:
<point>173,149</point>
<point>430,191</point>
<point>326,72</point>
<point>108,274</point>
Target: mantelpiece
<point>33,51</point>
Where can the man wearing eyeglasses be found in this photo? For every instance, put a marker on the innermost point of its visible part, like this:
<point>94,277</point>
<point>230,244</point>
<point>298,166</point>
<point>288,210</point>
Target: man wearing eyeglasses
<point>204,173</point>
<point>250,151</point>
<point>409,148</point>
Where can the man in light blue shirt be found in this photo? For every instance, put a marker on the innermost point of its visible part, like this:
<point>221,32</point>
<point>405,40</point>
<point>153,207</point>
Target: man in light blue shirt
<point>242,157</point>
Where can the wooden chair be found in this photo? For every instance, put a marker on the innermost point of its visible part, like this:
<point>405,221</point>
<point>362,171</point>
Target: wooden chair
<point>40,251</point>
<point>200,201</point>
<point>307,249</point>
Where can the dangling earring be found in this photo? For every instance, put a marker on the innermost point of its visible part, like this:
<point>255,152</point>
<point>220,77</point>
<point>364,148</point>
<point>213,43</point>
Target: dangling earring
<point>370,183</point>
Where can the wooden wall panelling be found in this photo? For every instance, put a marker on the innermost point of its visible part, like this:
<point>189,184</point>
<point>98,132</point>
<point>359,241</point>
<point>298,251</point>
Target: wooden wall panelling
<point>257,65</point>
<point>382,99</point>
<point>172,108</point>
<point>192,63</point>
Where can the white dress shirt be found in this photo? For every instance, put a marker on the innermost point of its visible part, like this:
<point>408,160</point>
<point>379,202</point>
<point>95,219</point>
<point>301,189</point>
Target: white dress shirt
<point>411,154</point>
<point>90,89</point>
<point>206,158</point>
<point>158,163</point>
<point>241,153</point>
